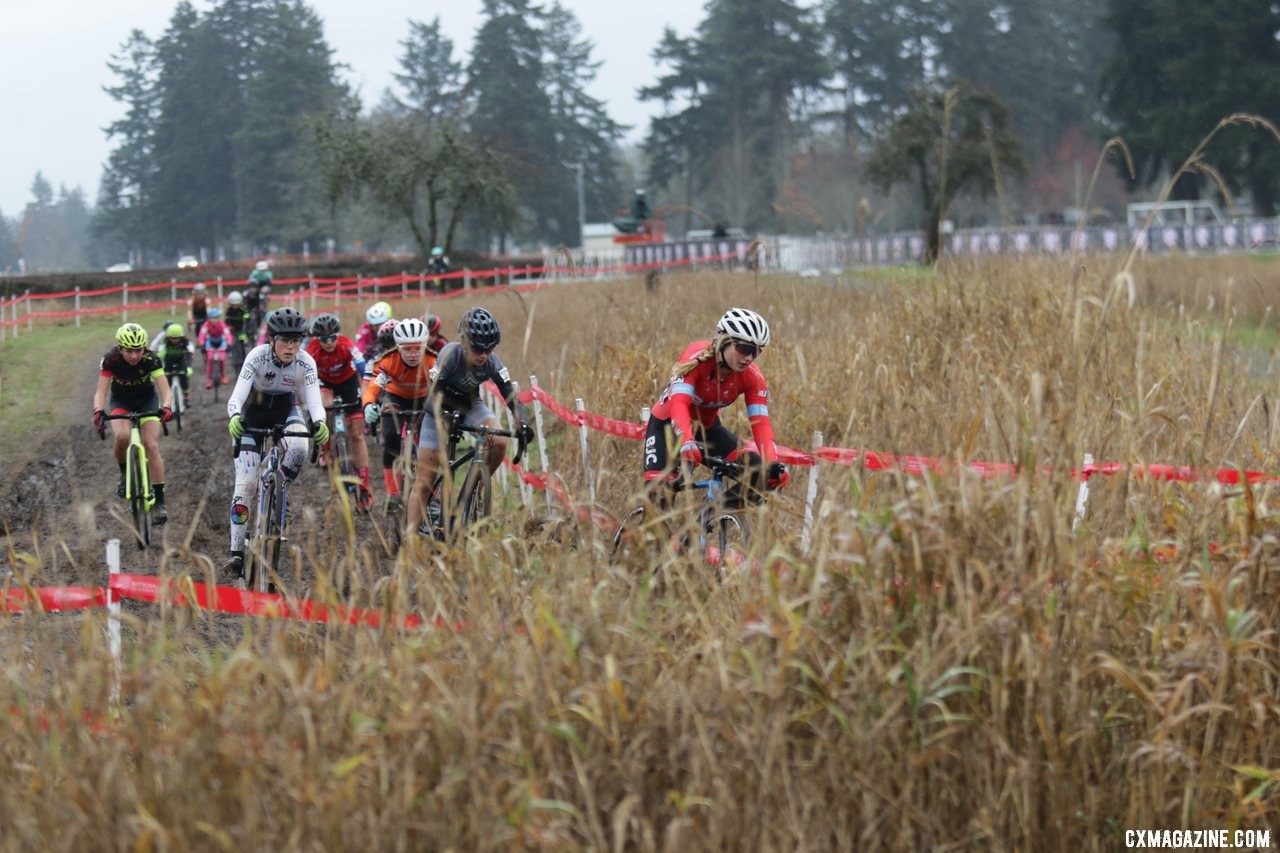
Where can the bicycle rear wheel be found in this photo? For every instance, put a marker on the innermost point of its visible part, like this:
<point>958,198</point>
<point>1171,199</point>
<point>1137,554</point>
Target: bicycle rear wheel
<point>138,497</point>
<point>217,374</point>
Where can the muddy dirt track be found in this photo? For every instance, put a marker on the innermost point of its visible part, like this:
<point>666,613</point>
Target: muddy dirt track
<point>58,503</point>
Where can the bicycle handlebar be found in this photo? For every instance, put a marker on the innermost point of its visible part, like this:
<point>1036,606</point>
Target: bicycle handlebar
<point>275,432</point>
<point>136,417</point>
<point>456,425</point>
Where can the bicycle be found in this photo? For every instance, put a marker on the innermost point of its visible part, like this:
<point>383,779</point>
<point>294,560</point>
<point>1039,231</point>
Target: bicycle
<point>342,467</point>
<point>179,396</point>
<point>218,372</point>
<point>137,477</point>
<point>475,495</point>
<point>239,350</point>
<point>718,523</point>
<point>406,465</point>
<point>266,532</point>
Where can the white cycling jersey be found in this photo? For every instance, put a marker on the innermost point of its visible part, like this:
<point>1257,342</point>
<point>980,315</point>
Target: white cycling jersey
<point>263,376</point>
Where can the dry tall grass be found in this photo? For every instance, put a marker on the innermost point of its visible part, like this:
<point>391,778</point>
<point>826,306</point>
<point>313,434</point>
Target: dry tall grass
<point>949,667</point>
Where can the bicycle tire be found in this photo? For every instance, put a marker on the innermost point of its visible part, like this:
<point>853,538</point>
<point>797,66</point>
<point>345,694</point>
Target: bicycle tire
<point>475,499</point>
<point>138,496</point>
<point>179,403</point>
<point>626,533</point>
<point>731,532</point>
<point>340,461</point>
<point>217,378</point>
<point>275,530</point>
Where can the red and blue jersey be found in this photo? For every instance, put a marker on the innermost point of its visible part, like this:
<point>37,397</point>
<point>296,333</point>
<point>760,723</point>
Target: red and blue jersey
<point>338,366</point>
<point>703,392</point>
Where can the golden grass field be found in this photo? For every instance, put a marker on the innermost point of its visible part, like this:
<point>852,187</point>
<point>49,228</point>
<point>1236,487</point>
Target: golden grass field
<point>949,666</point>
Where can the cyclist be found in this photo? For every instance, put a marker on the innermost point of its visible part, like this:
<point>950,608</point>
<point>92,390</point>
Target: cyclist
<point>277,376</point>
<point>131,379</point>
<point>455,386</point>
<point>175,350</point>
<point>261,275</point>
<point>198,310</point>
<point>435,340</point>
<point>253,318</point>
<point>386,343</point>
<point>367,335</point>
<point>709,376</point>
<point>438,265</point>
<point>340,367</point>
<point>214,340</point>
<point>399,384</point>
<point>237,317</point>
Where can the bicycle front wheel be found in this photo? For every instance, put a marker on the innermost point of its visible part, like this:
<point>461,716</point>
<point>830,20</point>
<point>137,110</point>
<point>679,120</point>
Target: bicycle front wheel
<point>138,496</point>
<point>730,533</point>
<point>179,402</point>
<point>475,499</point>
<point>342,465</point>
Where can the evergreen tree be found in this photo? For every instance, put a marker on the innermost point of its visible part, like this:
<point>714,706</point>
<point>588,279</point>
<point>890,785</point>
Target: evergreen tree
<point>739,77</point>
<point>8,245</point>
<point>584,131</point>
<point>1179,68</point>
<point>512,111</point>
<point>121,219</point>
<point>429,75</point>
<point>290,80</point>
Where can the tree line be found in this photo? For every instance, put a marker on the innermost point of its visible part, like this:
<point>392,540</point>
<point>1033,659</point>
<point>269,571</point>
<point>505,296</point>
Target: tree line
<point>236,132</point>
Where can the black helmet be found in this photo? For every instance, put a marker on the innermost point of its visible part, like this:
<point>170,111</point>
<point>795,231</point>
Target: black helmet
<point>286,321</point>
<point>479,329</point>
<point>325,324</point>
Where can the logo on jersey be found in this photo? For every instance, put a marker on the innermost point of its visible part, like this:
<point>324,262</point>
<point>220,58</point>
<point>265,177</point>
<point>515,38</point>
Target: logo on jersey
<point>504,375</point>
<point>269,376</point>
<point>650,451</point>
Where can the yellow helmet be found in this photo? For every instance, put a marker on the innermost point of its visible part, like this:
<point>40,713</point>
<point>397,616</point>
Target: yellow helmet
<point>131,336</point>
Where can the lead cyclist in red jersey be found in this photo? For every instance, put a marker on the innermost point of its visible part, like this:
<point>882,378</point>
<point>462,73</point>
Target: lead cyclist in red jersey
<point>709,376</point>
<point>340,368</point>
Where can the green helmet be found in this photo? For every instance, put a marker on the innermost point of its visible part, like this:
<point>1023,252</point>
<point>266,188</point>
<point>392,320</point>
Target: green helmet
<point>174,330</point>
<point>131,336</point>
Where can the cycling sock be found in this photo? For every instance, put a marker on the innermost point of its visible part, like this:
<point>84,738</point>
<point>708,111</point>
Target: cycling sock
<point>363,474</point>
<point>121,464</point>
<point>158,489</point>
<point>388,477</point>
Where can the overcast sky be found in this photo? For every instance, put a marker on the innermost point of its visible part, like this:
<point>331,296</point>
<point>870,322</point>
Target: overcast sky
<point>54,64</point>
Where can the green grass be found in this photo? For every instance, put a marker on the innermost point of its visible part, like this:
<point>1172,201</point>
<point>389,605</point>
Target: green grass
<point>27,385</point>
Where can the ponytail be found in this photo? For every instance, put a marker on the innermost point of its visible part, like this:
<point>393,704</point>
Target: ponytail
<point>682,368</point>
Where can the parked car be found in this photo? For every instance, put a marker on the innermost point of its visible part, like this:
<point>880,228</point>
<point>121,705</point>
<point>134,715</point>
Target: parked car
<point>187,262</point>
<point>120,268</point>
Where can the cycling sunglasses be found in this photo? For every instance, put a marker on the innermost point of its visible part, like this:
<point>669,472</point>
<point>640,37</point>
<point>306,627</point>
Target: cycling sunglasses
<point>746,348</point>
<point>289,339</point>
<point>329,339</point>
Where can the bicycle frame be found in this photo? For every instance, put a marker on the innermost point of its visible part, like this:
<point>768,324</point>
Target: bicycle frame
<point>337,413</point>
<point>477,454</point>
<point>267,529</point>
<point>714,518</point>
<point>137,473</point>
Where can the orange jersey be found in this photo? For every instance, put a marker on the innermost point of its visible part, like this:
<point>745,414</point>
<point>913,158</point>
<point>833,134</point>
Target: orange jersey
<point>391,374</point>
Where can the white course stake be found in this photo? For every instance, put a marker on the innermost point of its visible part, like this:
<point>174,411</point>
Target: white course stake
<point>542,444</point>
<point>113,622</point>
<point>77,311</point>
<point>807,536</point>
<point>1082,496</point>
<point>586,456</point>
